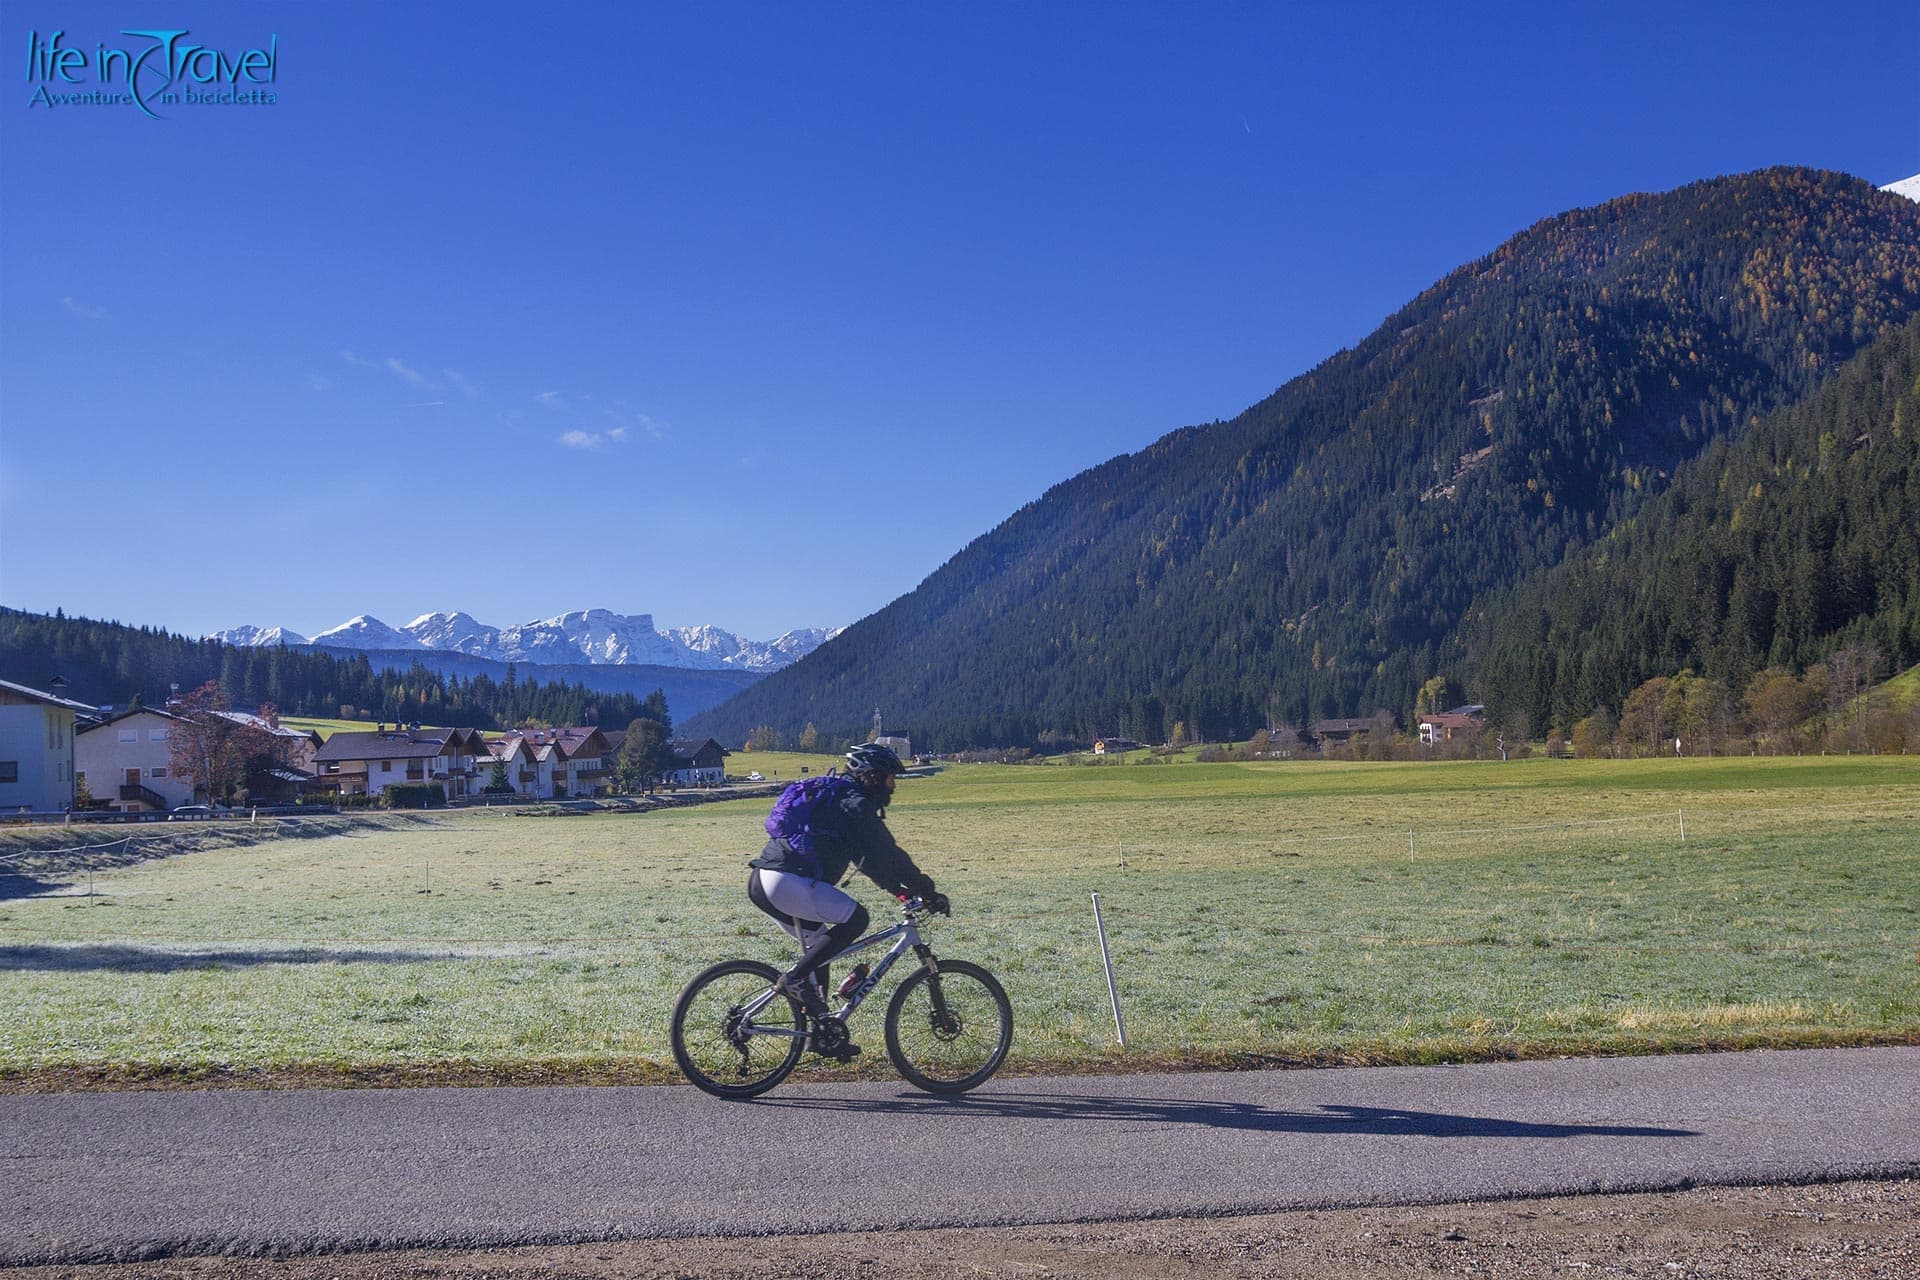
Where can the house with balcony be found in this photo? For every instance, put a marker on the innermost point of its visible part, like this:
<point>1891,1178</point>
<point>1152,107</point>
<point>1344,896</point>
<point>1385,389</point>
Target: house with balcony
<point>368,762</point>
<point>566,763</point>
<point>585,763</point>
<point>126,762</point>
<point>528,766</point>
<point>1445,726</point>
<point>697,762</point>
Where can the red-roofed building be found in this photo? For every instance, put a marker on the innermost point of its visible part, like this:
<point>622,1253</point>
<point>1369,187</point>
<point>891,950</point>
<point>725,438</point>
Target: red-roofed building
<point>1444,726</point>
<point>367,763</point>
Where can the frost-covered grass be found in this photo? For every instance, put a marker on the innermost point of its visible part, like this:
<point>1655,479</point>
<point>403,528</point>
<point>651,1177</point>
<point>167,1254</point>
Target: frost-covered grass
<point>1265,911</point>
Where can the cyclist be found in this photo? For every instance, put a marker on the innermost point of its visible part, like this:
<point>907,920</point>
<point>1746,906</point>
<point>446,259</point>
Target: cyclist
<point>797,887</point>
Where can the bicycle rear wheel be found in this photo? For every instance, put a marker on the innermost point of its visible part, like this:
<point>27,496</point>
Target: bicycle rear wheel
<point>722,1051</point>
<point>949,1032</point>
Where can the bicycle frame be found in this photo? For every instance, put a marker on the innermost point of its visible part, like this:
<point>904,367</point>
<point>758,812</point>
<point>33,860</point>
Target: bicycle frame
<point>948,1025</point>
<point>907,933</point>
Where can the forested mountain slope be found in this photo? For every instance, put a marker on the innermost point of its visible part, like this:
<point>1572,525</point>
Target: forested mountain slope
<point>1312,556</point>
<point>1767,551</point>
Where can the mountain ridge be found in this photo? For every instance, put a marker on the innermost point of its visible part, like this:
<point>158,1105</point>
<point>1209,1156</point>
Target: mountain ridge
<point>1317,554</point>
<point>596,637</point>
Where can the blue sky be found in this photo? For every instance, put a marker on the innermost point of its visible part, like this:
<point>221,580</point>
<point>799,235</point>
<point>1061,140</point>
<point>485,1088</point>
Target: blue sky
<point>663,308</point>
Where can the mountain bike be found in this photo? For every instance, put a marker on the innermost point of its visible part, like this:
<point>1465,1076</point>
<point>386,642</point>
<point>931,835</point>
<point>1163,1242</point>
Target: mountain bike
<point>948,1026</point>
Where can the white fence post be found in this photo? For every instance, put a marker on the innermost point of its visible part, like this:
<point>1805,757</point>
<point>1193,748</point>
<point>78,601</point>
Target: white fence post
<point>1106,959</point>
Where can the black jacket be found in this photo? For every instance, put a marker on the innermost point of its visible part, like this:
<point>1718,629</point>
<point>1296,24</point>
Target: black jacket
<point>860,839</point>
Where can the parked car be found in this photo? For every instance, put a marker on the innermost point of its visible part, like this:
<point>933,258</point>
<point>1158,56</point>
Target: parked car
<point>190,811</point>
<point>756,776</point>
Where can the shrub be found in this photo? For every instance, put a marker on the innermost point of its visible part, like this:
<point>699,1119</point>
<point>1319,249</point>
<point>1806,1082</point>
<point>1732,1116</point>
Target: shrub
<point>415,795</point>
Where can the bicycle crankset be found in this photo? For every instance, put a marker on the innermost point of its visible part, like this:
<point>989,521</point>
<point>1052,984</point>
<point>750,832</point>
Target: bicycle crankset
<point>827,1036</point>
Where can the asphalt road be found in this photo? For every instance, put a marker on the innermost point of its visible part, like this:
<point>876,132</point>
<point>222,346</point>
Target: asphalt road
<point>99,1177</point>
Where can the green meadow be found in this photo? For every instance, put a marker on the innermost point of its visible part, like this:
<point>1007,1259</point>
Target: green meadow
<point>1256,913</point>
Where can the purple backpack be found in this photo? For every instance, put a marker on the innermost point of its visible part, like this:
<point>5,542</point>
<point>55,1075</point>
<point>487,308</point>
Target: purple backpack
<point>807,809</point>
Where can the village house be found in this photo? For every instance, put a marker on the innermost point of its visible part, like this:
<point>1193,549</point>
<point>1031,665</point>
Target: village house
<point>1445,726</point>
<point>126,763</point>
<point>527,766</point>
<point>584,762</point>
<point>37,746</point>
<point>1113,746</point>
<point>1328,732</point>
<point>295,747</point>
<point>697,762</point>
<point>549,764</point>
<point>292,773</point>
<point>359,763</point>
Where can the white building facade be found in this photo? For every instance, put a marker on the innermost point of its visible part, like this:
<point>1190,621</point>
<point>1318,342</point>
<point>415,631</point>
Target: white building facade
<point>36,748</point>
<point>127,763</point>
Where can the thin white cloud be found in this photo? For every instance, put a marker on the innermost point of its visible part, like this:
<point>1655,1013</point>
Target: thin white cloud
<point>317,382</point>
<point>578,439</point>
<point>461,384</point>
<point>401,369</point>
<point>427,404</point>
<point>84,311</point>
<point>609,423</point>
<point>394,365</point>
<point>631,419</point>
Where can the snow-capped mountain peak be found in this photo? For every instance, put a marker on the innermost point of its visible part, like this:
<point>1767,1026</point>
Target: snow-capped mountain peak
<point>597,636</point>
<point>461,632</point>
<point>251,637</point>
<point>366,632</point>
<point>1908,187</point>
<point>753,655</point>
<point>594,636</point>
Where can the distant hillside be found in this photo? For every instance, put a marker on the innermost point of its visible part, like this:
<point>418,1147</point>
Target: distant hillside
<point>1314,555</point>
<point>1767,551</point>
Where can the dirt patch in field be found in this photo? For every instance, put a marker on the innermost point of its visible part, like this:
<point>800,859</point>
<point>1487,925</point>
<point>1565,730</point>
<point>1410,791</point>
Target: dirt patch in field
<point>1844,1229</point>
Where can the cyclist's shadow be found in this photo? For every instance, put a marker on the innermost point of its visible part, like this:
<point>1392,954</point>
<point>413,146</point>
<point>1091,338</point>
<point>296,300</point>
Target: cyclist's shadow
<point>1329,1118</point>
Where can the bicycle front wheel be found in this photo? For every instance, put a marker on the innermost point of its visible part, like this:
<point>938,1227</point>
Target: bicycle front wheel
<point>949,1032</point>
<point>722,1050</point>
